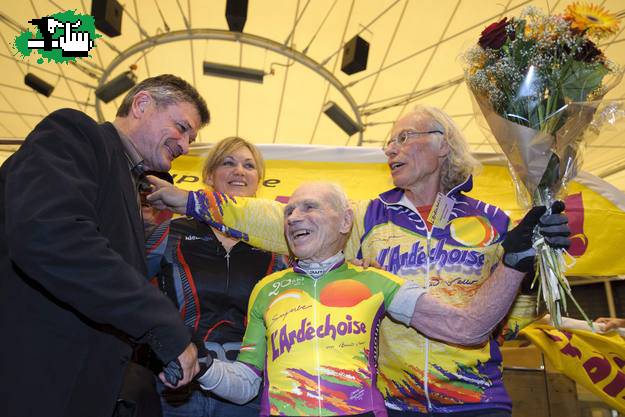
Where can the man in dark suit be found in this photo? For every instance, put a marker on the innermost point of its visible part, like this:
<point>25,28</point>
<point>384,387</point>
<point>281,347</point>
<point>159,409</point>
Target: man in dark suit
<point>73,290</point>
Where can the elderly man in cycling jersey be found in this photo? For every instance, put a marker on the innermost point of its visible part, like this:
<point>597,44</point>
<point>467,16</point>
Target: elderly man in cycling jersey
<point>312,330</point>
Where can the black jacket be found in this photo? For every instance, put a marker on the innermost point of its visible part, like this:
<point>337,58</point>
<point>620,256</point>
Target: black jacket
<point>210,286</point>
<point>72,273</point>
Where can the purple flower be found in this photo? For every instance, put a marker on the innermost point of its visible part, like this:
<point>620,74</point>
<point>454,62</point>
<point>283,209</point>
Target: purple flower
<point>495,35</point>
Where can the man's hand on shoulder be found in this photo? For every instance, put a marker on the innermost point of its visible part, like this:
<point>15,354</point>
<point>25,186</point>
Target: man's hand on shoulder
<point>366,263</point>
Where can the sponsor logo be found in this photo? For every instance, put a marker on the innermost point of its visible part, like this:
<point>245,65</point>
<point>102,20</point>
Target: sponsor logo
<point>283,340</point>
<point>193,237</point>
<point>393,259</point>
<point>285,283</point>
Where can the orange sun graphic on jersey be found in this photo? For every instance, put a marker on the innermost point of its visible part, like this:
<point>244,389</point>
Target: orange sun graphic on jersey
<point>344,293</point>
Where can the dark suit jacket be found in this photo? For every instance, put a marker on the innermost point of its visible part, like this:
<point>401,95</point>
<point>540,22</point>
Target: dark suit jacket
<point>72,273</point>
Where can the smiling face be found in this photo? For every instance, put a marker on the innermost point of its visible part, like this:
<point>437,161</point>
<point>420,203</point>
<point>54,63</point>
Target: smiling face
<point>236,174</point>
<point>314,226</point>
<point>161,134</point>
<point>420,158</point>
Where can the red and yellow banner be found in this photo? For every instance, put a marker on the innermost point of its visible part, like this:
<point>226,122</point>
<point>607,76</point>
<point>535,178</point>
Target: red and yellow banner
<point>595,361</point>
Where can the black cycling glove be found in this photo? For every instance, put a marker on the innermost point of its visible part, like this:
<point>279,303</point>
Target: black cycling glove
<point>173,372</point>
<point>519,253</point>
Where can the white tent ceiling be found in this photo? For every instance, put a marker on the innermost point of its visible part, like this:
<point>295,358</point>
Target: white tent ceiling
<point>412,58</point>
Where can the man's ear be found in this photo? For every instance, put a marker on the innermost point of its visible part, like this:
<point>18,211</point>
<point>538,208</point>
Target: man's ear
<point>443,150</point>
<point>347,221</point>
<point>140,103</point>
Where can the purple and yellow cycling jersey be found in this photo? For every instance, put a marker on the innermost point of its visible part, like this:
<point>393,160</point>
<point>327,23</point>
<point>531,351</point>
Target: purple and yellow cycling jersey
<point>315,340</point>
<point>450,262</point>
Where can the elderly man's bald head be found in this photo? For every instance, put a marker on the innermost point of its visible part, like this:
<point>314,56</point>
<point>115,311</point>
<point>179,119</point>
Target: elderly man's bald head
<point>317,220</point>
<point>334,193</point>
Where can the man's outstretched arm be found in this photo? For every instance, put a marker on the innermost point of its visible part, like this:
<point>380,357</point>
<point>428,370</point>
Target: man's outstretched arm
<point>256,221</point>
<point>474,323</point>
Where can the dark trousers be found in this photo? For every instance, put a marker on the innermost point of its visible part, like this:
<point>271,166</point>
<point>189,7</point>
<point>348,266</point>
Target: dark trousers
<point>138,396</point>
<point>192,401</point>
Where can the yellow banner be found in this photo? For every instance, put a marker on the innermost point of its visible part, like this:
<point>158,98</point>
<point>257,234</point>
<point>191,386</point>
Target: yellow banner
<point>595,361</point>
<point>597,222</point>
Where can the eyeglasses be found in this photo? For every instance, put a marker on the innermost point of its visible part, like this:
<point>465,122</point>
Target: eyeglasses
<point>405,135</point>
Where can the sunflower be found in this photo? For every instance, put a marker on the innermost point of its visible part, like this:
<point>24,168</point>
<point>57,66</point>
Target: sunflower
<point>593,19</point>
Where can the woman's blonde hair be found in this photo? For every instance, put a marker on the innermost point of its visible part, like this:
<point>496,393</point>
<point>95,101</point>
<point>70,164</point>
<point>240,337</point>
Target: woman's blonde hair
<point>225,147</point>
<point>459,162</point>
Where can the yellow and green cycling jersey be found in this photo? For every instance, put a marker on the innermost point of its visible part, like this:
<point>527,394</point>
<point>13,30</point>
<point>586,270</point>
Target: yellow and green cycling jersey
<point>315,340</point>
<point>450,262</point>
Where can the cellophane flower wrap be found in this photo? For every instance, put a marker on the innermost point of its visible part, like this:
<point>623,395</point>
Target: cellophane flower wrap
<point>538,80</point>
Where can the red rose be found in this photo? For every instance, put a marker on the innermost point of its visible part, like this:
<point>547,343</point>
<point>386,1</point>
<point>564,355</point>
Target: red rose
<point>588,52</point>
<point>495,35</point>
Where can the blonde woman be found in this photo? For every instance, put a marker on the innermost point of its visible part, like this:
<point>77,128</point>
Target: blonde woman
<point>209,275</point>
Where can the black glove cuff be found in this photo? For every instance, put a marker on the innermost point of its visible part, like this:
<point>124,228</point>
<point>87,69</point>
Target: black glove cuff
<point>519,260</point>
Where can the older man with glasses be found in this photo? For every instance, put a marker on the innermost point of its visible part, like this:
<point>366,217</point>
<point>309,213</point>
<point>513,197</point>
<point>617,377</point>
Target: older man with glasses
<point>428,231</point>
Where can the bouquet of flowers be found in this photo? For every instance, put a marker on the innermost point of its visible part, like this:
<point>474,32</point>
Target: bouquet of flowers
<point>538,80</point>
